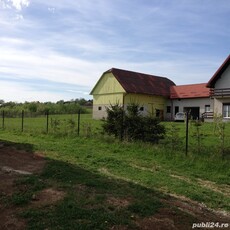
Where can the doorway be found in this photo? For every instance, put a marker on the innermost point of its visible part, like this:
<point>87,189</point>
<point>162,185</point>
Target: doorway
<point>194,112</point>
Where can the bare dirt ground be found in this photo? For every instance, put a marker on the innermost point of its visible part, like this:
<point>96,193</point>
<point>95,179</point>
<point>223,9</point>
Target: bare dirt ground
<point>14,163</point>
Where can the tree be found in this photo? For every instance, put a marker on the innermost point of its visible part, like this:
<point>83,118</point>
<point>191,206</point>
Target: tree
<point>2,102</point>
<point>32,107</point>
<point>132,125</point>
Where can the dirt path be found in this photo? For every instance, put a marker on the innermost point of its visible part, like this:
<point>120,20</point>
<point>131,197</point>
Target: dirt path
<point>14,163</point>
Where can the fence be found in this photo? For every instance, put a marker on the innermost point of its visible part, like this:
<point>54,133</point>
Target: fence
<point>48,123</point>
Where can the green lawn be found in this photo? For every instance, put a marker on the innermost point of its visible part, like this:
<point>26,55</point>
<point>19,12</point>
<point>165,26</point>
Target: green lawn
<point>67,123</point>
<point>112,168</point>
<point>152,166</point>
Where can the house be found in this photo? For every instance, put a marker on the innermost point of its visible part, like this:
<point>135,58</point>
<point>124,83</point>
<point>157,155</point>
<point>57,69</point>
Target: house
<point>150,92</point>
<point>220,89</point>
<point>161,97</point>
<point>194,98</point>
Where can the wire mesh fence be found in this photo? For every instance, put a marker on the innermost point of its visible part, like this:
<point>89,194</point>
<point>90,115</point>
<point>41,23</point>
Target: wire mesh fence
<point>24,121</point>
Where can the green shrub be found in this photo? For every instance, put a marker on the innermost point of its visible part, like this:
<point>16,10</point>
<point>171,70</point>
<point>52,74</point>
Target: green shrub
<point>131,125</point>
<point>113,124</point>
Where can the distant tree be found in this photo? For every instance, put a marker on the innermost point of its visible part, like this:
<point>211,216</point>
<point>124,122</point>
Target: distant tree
<point>60,102</point>
<point>32,107</point>
<point>82,101</point>
<point>60,107</point>
<point>2,102</point>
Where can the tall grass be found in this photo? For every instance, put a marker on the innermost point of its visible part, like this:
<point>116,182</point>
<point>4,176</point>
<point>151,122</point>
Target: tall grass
<point>164,166</point>
<point>152,166</point>
<point>59,124</point>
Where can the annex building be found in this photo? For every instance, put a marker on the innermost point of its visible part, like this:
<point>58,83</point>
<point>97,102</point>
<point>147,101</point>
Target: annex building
<point>161,97</point>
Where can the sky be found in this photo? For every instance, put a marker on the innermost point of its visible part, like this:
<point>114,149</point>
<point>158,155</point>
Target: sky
<point>53,50</point>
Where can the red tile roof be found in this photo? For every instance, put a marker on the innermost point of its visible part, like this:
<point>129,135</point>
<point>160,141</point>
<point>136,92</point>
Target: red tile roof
<point>134,82</point>
<point>219,72</point>
<point>189,91</point>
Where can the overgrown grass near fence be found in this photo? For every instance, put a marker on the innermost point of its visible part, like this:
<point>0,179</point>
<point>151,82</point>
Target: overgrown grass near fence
<point>206,139</point>
<point>196,176</point>
<point>53,123</point>
<point>202,175</point>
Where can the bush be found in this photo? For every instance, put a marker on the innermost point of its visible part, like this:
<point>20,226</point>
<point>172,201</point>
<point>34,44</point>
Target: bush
<point>131,125</point>
<point>113,124</point>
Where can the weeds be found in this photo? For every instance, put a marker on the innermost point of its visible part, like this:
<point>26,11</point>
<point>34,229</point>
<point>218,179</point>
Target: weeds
<point>198,135</point>
<point>71,126</point>
<point>55,124</point>
<point>173,139</point>
<point>98,175</point>
<point>219,130</point>
<point>87,129</point>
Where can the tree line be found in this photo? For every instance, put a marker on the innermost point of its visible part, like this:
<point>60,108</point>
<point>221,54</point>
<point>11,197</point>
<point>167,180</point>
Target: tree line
<point>41,108</point>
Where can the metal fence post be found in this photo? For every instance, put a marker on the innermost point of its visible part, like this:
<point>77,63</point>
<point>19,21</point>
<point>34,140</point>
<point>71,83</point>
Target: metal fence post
<point>22,120</point>
<point>78,122</point>
<point>47,121</point>
<point>3,119</point>
<point>186,145</point>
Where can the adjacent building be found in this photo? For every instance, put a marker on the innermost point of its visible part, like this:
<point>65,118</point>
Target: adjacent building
<point>123,87</point>
<point>194,98</point>
<point>160,96</point>
<point>220,90</point>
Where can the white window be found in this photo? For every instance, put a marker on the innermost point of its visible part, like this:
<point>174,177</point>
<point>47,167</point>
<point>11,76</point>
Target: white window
<point>207,108</point>
<point>226,110</point>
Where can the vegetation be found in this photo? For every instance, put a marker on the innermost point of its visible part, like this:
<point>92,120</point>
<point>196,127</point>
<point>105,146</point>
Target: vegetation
<point>58,124</point>
<point>13,109</point>
<point>149,165</point>
<point>131,125</point>
<point>91,201</point>
<point>95,168</point>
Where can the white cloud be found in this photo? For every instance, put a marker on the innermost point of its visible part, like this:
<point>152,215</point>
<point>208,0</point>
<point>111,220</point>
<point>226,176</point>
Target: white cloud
<point>47,65</point>
<point>76,41</point>
<point>18,4</point>
<point>11,12</point>
<point>8,90</point>
<point>51,9</point>
<point>18,17</point>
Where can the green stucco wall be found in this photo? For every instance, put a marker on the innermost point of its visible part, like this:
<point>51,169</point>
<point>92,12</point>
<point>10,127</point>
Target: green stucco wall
<point>107,84</point>
<point>106,92</point>
<point>109,91</point>
<point>149,102</point>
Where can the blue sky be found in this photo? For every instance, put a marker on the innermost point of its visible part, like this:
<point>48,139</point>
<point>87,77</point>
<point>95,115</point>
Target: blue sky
<point>57,50</point>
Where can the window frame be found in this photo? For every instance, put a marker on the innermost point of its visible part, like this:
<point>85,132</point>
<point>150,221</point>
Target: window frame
<point>227,110</point>
<point>207,108</point>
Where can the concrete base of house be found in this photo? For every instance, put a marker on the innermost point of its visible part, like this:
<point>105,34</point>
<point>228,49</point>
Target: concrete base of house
<point>211,120</point>
<point>208,119</point>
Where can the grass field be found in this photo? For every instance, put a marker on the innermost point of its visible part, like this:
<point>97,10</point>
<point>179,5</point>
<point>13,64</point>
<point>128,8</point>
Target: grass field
<point>56,123</point>
<point>146,172</point>
<point>209,132</point>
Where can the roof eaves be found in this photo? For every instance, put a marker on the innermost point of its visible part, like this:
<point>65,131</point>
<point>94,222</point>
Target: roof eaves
<point>218,73</point>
